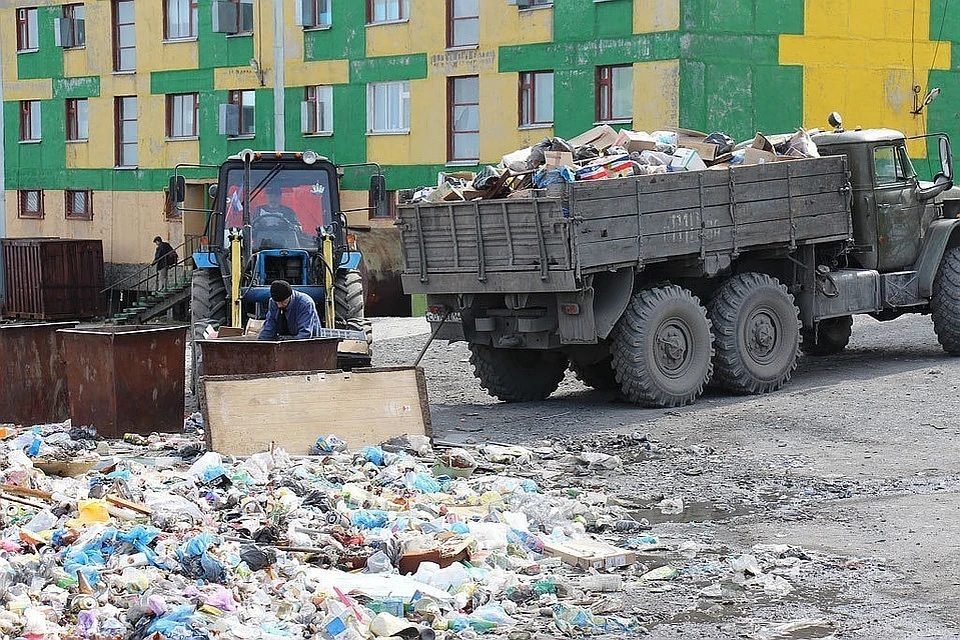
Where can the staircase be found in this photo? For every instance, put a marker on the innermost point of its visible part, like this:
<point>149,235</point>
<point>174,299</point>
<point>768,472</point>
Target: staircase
<point>154,303</point>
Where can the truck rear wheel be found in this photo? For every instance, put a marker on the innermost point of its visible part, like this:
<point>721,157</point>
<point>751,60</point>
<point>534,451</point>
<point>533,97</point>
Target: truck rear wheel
<point>517,375</point>
<point>348,295</point>
<point>756,333</point>
<point>945,303</point>
<point>208,306</point>
<point>599,375</point>
<point>831,336</point>
<point>662,348</point>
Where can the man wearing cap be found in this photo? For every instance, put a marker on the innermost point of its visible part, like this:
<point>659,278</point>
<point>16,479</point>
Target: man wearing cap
<point>291,315</point>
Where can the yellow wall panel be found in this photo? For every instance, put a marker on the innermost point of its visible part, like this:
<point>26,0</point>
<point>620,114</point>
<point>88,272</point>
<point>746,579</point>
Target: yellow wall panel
<point>656,95</point>
<point>27,90</point>
<point>75,63</point>
<point>302,74</point>
<point>237,78</point>
<point>99,49</point>
<point>506,25</point>
<point>427,141</point>
<point>424,31</point>
<point>77,155</point>
<point>100,148</point>
<point>656,15</point>
<point>170,55</point>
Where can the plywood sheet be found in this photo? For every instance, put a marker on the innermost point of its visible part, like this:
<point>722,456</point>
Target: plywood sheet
<point>247,414</point>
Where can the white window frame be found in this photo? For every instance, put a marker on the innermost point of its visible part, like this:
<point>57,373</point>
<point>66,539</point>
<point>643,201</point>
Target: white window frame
<point>393,123</point>
<point>374,6</point>
<point>314,14</point>
<point>34,132</point>
<point>317,114</point>
<point>175,7</point>
<point>176,104</point>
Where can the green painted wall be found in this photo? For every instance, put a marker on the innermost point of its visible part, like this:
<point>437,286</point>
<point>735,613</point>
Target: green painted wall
<point>47,61</point>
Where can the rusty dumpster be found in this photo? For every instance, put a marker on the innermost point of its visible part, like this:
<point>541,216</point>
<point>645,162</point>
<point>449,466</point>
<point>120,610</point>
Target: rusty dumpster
<point>34,388</point>
<point>53,278</point>
<point>235,357</point>
<point>126,379</point>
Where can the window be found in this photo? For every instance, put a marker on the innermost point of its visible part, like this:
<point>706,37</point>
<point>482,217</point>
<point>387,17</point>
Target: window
<point>388,107</point>
<point>77,129</point>
<point>387,10</point>
<point>244,103</point>
<point>124,36</point>
<point>316,112</point>
<point>536,98</point>
<point>179,19</point>
<point>314,13</point>
<point>30,203</point>
<point>78,204</point>
<point>182,115</point>
<point>27,29</point>
<point>29,120</point>
<point>614,93</point>
<point>529,4</point>
<point>70,30</point>
<point>126,122</point>
<point>391,212</point>
<point>233,16</point>
<point>463,23</point>
<point>892,164</point>
<point>463,141</point>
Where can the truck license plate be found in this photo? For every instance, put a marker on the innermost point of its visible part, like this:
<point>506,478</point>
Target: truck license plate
<point>437,317</point>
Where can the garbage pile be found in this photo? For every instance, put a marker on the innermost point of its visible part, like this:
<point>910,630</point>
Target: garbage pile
<point>603,153</point>
<point>405,540</point>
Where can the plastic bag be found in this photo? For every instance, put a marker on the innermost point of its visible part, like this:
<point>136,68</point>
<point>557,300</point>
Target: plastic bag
<point>486,178</point>
<point>723,141</point>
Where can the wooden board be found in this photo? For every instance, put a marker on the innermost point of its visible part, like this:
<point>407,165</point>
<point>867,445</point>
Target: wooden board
<point>244,415</point>
<point>588,553</point>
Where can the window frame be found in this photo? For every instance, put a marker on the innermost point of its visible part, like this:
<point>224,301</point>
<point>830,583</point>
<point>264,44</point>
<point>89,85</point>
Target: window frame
<point>451,112</point>
<point>316,103</point>
<point>27,121</point>
<point>194,22</point>
<point>391,197</point>
<point>115,35</point>
<point>534,4</point>
<point>119,142</point>
<point>68,212</point>
<point>69,13</point>
<point>603,102</point>
<point>72,117</point>
<point>21,200</point>
<point>527,81</point>
<point>235,97</point>
<point>403,11</point>
<point>171,99</point>
<point>317,24</point>
<point>451,26</point>
<point>404,98</point>
<point>25,16</point>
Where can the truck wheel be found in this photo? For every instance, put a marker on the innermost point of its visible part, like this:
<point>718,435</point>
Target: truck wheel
<point>517,375</point>
<point>830,337</point>
<point>756,333</point>
<point>945,303</point>
<point>348,295</point>
<point>599,375</point>
<point>662,348</point>
<point>208,306</point>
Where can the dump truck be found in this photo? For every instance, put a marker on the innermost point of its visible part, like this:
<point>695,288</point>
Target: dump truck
<point>658,285</point>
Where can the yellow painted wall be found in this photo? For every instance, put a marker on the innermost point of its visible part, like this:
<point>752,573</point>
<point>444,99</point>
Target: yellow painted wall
<point>656,95</point>
<point>656,15</point>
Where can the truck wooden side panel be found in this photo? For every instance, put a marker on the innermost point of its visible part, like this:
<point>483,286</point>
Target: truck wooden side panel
<point>547,244</point>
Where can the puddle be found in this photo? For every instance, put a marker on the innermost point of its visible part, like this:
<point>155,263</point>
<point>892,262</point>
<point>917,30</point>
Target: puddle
<point>694,512</point>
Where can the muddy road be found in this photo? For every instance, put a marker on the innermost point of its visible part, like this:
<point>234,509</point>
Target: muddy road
<point>844,487</point>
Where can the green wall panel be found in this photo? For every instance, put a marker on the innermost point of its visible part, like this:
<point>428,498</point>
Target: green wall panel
<point>741,16</point>
<point>570,55</point>
<point>76,87</point>
<point>345,39</point>
<point>389,68</point>
<point>47,61</point>
<point>181,81</point>
<point>219,49</point>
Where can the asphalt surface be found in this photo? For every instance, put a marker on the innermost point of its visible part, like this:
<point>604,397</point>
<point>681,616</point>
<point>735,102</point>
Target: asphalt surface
<point>851,468</point>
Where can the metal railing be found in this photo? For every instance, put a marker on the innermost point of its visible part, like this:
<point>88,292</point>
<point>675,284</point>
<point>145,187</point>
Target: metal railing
<point>151,284</point>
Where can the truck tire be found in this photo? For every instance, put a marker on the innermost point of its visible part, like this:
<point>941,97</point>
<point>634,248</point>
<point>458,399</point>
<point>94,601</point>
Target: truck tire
<point>599,375</point>
<point>831,337</point>
<point>756,332</point>
<point>208,306</point>
<point>517,375</point>
<point>348,295</point>
<point>662,348</point>
<point>945,303</point>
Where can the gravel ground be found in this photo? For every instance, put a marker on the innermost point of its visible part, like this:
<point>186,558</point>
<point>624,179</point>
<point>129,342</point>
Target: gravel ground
<point>852,465</point>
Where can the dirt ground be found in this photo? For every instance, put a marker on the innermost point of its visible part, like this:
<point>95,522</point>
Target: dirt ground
<point>852,466</point>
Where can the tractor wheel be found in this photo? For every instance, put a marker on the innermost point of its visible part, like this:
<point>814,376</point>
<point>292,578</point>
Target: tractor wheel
<point>756,333</point>
<point>945,303</point>
<point>599,375</point>
<point>662,348</point>
<point>517,375</point>
<point>831,336</point>
<point>208,306</point>
<point>348,295</point>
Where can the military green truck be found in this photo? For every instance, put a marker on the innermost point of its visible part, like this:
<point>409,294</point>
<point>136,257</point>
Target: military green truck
<point>657,285</point>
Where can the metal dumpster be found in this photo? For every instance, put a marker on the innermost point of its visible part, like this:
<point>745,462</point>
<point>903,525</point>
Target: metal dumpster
<point>126,379</point>
<point>34,388</point>
<point>53,278</point>
<point>236,357</point>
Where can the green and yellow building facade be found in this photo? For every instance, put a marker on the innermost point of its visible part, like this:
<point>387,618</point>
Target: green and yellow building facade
<point>739,66</point>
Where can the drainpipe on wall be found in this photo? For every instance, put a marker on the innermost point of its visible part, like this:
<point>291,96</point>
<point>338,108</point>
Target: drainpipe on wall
<point>279,133</point>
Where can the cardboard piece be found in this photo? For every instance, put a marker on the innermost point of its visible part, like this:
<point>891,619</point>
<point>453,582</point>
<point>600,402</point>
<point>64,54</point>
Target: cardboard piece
<point>758,156</point>
<point>706,150</point>
<point>588,553</point>
<point>687,160</point>
<point>446,192</point>
<point>244,415</point>
<point>601,137</point>
<point>638,141</point>
<point>763,143</point>
<point>558,159</point>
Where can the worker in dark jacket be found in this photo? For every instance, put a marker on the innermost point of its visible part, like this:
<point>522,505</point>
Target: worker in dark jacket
<point>291,315</point>
<point>163,258</point>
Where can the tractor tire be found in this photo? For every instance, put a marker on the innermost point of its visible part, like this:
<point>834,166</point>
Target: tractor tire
<point>348,295</point>
<point>662,348</point>
<point>830,337</point>
<point>208,306</point>
<point>945,303</point>
<point>756,330</point>
<point>517,375</point>
<point>599,375</point>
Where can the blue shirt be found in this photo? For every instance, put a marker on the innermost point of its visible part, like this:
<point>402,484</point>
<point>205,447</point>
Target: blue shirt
<point>302,319</point>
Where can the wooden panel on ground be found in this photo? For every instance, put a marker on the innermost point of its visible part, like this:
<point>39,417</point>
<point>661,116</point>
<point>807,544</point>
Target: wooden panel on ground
<point>247,414</point>
<point>588,553</point>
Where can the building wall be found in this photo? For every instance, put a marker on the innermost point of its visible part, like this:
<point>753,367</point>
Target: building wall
<point>739,66</point>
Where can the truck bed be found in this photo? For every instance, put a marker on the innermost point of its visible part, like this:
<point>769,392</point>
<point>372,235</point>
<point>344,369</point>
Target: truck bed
<point>548,243</point>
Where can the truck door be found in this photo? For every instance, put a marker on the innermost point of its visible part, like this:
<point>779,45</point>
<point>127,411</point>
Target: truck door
<point>898,209</point>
